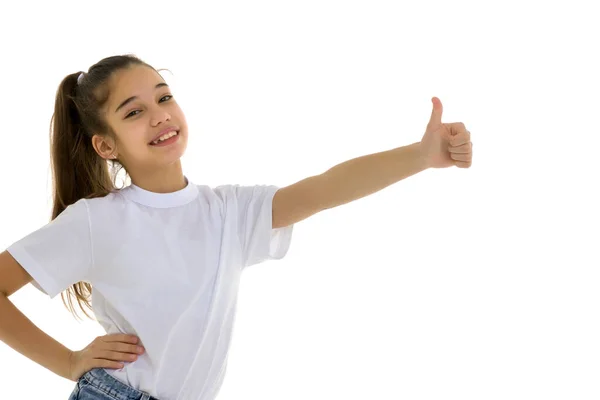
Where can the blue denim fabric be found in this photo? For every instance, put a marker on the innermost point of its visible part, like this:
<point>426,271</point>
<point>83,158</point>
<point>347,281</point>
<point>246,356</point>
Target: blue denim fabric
<point>97,384</point>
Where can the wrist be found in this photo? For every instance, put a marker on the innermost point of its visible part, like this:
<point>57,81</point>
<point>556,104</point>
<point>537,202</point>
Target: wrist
<point>424,160</point>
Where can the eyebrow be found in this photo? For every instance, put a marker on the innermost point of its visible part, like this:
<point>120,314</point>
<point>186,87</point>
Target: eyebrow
<point>123,104</point>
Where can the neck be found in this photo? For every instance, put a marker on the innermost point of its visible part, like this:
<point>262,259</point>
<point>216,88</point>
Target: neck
<point>167,179</point>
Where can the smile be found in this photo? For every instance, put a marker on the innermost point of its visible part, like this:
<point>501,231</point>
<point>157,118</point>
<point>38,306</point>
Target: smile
<point>166,142</point>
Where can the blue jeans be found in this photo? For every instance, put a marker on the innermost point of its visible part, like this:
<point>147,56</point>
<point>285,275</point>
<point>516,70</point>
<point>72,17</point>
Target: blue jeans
<point>97,384</point>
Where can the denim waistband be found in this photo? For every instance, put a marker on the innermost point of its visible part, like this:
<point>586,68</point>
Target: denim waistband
<point>114,388</point>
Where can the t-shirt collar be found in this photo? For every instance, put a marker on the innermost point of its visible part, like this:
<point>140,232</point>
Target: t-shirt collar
<point>161,200</point>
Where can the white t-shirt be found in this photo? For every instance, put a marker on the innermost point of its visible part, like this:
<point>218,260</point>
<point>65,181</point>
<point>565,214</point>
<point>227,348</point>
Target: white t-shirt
<point>164,267</point>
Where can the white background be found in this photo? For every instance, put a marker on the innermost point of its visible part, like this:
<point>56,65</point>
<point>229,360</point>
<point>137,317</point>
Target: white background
<point>477,283</point>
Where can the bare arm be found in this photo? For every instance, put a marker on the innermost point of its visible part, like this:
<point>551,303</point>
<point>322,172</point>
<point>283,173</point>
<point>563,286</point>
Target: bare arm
<point>18,332</point>
<point>346,182</point>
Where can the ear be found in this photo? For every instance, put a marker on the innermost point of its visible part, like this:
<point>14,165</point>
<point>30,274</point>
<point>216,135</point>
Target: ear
<point>104,146</point>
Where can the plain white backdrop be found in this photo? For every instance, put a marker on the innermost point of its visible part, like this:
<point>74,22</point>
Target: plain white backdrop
<point>477,283</point>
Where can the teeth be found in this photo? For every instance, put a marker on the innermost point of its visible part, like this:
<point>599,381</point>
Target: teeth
<point>165,137</point>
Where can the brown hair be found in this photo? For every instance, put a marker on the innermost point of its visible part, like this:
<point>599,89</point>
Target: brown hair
<point>78,171</point>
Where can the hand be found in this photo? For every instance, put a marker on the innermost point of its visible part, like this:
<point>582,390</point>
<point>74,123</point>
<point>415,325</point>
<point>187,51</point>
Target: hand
<point>104,352</point>
<point>445,145</point>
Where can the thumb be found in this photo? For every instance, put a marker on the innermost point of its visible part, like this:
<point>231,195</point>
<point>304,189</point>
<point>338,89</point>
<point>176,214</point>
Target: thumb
<point>436,113</point>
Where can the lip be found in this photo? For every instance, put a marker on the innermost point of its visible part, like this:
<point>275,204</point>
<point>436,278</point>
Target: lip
<point>166,130</point>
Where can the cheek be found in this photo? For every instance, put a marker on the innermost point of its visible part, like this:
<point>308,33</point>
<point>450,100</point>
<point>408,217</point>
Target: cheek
<point>134,142</point>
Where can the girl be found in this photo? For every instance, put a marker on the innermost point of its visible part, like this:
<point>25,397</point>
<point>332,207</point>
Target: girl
<point>164,255</point>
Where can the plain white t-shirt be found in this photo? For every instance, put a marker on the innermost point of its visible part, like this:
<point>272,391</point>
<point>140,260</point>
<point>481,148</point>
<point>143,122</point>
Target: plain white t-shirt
<point>164,267</point>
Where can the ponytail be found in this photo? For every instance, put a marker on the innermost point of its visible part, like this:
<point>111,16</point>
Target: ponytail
<point>77,170</point>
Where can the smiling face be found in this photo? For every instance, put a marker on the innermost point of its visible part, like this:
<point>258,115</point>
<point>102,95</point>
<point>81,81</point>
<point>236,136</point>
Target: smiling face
<point>140,106</point>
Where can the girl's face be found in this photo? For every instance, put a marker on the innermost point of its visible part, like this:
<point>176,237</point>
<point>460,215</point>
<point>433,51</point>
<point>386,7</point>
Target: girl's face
<point>140,106</point>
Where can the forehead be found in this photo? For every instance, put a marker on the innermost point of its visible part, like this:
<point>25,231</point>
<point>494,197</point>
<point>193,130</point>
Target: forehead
<point>133,81</point>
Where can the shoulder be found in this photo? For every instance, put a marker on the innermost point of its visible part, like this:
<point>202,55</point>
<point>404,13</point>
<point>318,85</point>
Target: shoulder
<point>114,198</point>
<point>245,199</point>
<point>104,209</point>
<point>243,192</point>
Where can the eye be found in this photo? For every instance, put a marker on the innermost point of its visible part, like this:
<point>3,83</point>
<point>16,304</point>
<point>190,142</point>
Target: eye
<point>131,113</point>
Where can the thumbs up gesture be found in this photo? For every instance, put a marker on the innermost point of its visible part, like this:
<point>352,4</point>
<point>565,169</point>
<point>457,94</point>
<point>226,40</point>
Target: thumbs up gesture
<point>445,145</point>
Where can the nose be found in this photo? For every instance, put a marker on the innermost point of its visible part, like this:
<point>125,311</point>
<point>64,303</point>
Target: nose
<point>160,115</point>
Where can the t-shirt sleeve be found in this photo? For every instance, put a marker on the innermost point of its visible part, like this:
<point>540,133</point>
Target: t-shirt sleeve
<point>59,254</point>
<point>258,240</point>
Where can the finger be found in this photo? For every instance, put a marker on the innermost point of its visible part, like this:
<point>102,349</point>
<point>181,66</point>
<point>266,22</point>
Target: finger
<point>461,157</point>
<point>115,355</point>
<point>459,137</point>
<point>126,348</point>
<point>457,126</point>
<point>107,364</point>
<point>121,337</point>
<point>463,164</point>
<point>464,148</point>
<point>436,112</point>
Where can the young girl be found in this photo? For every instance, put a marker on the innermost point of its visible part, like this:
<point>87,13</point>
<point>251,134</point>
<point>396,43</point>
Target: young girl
<point>164,255</point>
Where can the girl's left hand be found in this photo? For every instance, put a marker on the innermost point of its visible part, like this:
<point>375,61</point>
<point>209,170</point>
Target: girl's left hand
<point>445,145</point>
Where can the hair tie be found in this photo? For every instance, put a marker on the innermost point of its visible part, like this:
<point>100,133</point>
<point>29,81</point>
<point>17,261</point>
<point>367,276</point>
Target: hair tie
<point>80,78</point>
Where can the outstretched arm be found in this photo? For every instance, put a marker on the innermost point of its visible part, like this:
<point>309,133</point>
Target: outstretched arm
<point>442,146</point>
<point>346,182</point>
